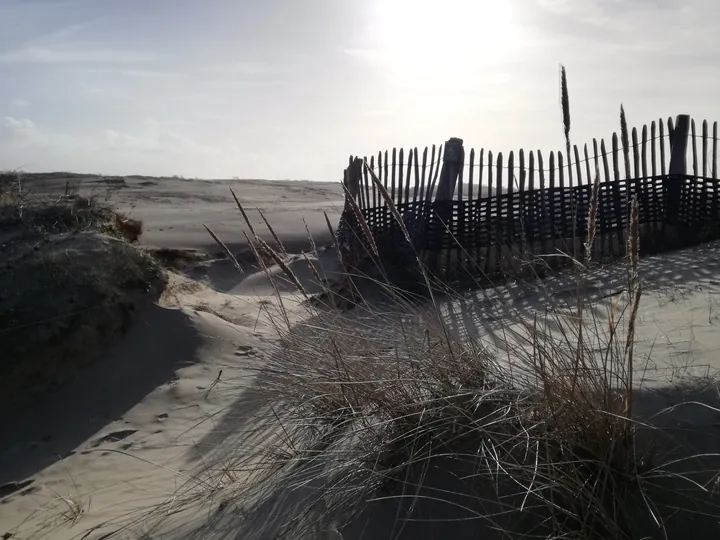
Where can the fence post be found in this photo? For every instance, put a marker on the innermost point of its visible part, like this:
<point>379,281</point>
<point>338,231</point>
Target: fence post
<point>352,177</point>
<point>678,167</point>
<point>453,161</point>
<point>678,145</point>
<point>348,233</point>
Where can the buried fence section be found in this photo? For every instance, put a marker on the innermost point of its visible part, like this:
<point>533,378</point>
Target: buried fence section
<point>483,215</point>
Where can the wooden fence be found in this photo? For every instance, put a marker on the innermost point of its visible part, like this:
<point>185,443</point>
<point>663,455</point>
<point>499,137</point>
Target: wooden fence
<point>476,214</point>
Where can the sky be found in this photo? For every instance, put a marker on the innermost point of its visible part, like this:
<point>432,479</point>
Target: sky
<point>288,89</point>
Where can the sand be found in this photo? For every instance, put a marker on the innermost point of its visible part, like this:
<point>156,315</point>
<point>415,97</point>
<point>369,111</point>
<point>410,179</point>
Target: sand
<point>119,436</point>
<point>171,400</point>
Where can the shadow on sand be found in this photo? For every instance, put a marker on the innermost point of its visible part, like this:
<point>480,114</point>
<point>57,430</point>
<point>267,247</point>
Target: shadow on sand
<point>451,496</point>
<point>159,342</point>
<point>456,496</point>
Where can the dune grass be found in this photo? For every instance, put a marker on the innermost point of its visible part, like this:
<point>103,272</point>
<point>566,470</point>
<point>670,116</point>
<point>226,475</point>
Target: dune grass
<point>70,283</point>
<point>530,434</point>
<point>21,208</point>
<point>553,416</point>
<point>367,401</point>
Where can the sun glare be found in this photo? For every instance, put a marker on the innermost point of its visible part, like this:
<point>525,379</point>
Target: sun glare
<point>423,37</point>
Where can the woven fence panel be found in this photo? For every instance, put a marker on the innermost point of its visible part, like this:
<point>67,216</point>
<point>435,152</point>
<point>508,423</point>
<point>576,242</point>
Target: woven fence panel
<point>480,229</point>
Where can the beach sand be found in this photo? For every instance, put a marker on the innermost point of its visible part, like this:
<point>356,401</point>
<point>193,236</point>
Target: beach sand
<point>152,414</point>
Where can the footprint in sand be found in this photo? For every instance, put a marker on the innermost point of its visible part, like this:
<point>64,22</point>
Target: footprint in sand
<point>115,436</point>
<point>14,487</point>
<point>245,350</point>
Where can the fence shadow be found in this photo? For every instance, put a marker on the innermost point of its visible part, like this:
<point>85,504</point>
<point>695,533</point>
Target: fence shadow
<point>488,311</point>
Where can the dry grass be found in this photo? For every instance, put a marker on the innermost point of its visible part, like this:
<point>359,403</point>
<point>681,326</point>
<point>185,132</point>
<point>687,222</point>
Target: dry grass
<point>383,392</point>
<point>536,429</point>
<point>69,283</point>
<point>369,401</point>
<point>373,399</point>
<point>21,208</point>
<point>130,229</point>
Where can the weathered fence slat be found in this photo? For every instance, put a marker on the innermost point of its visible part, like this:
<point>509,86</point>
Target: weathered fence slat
<point>364,202</point>
<point>522,198</point>
<point>402,185</point>
<point>644,170</point>
<point>595,156</point>
<point>615,158</point>
<point>661,141</point>
<point>560,229</point>
<point>397,196</point>
<point>471,174</point>
<point>420,188</point>
<point>633,188</point>
<point>471,205</point>
<point>653,167</point>
<point>653,146</point>
<point>590,174</point>
<point>510,203</point>
<point>716,191</point>
<point>704,148</point>
<point>596,175</point>
<point>489,211</point>
<point>705,185</point>
<point>428,194</point>
<point>552,199</point>
<point>636,156</point>
<point>529,228</point>
<point>481,164</point>
<point>498,210</point>
<point>715,152</point>
<point>386,173</point>
<point>460,188</point>
<point>693,138</point>
<point>433,186</point>
<point>578,166</point>
<point>457,224</point>
<point>625,143</point>
<point>482,214</point>
<point>569,166</point>
<point>405,173</point>
<point>414,163</point>
<point>603,224</point>
<point>375,201</point>
<point>543,206</point>
<point>576,203</point>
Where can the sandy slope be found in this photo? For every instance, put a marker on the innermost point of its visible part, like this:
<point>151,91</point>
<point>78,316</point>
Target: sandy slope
<point>140,423</point>
<point>127,432</point>
<point>171,400</point>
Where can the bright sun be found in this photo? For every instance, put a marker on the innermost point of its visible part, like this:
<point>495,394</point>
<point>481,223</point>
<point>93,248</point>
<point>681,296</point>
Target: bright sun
<point>416,37</point>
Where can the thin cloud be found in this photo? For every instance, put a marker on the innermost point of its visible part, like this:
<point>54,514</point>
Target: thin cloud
<point>19,103</point>
<point>156,138</point>
<point>46,55</point>
<point>14,126</point>
<point>132,73</point>
<point>244,68</point>
<point>66,32</point>
<point>54,4</point>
